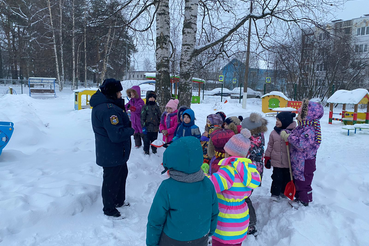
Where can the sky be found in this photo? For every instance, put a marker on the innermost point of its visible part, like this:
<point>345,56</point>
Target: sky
<point>50,185</point>
<point>349,10</point>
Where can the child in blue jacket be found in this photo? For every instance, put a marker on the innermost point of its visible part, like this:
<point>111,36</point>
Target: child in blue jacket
<point>187,127</point>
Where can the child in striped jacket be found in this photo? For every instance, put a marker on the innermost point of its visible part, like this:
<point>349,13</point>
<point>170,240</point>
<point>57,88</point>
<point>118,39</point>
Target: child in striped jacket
<point>234,181</point>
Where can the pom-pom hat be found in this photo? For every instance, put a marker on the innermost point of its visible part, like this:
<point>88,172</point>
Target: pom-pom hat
<point>239,144</point>
<point>286,118</point>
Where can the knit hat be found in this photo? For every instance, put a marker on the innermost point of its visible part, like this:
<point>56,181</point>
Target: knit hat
<point>110,87</point>
<point>286,118</point>
<point>222,114</point>
<point>150,94</point>
<point>232,119</point>
<point>172,104</point>
<point>239,144</point>
<point>220,137</point>
<point>215,119</point>
<point>180,112</point>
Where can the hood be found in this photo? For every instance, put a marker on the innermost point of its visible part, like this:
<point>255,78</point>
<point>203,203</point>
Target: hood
<point>136,89</point>
<point>180,112</point>
<point>237,164</point>
<point>184,155</point>
<point>192,116</point>
<point>311,111</point>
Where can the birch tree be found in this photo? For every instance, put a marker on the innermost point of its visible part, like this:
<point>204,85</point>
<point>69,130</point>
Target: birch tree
<point>55,48</point>
<point>61,42</point>
<point>162,53</point>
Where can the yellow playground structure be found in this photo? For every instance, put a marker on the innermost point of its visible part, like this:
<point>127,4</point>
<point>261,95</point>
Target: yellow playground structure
<point>82,98</point>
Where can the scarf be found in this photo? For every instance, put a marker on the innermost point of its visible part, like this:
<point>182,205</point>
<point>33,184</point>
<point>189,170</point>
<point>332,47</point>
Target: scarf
<point>278,129</point>
<point>185,177</point>
<point>316,125</point>
<point>167,123</point>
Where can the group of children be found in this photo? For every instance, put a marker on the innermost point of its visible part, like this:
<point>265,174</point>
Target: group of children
<point>229,154</point>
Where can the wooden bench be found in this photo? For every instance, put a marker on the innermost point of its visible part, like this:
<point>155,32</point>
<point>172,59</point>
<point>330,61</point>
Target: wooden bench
<point>42,91</point>
<point>348,128</point>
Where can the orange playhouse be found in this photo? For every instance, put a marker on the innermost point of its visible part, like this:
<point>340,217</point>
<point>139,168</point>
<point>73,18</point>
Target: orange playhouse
<point>355,97</point>
<point>276,101</point>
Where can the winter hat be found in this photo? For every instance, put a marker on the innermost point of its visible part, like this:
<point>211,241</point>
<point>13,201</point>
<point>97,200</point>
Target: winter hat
<point>215,119</point>
<point>150,94</point>
<point>286,118</point>
<point>172,104</point>
<point>180,112</point>
<point>239,144</point>
<point>232,119</point>
<point>222,114</point>
<point>110,87</point>
<point>220,137</point>
<point>255,123</point>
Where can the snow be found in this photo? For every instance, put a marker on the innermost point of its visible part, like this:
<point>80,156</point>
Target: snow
<point>50,185</point>
<point>276,93</point>
<point>218,90</point>
<point>348,97</point>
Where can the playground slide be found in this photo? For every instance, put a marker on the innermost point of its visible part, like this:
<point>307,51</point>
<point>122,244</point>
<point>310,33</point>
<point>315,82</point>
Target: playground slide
<point>6,131</point>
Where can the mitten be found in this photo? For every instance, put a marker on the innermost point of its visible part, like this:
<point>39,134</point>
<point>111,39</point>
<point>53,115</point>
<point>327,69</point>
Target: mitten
<point>144,131</point>
<point>284,136</point>
<point>267,163</point>
<point>132,108</point>
<point>205,168</point>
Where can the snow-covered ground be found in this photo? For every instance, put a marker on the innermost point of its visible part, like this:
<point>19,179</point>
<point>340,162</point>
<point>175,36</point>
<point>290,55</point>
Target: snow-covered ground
<point>50,184</point>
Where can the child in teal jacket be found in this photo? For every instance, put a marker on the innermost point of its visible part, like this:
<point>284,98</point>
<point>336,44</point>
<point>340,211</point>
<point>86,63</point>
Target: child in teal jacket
<point>185,207</point>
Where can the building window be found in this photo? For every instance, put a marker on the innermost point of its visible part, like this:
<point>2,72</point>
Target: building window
<point>367,30</point>
<point>363,31</point>
<point>358,31</point>
<point>365,48</point>
<point>347,30</point>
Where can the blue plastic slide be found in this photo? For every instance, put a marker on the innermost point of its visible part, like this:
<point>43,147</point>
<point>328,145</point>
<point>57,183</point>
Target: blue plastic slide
<point>6,131</point>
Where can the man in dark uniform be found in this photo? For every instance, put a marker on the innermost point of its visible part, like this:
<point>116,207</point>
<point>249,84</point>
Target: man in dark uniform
<point>113,132</point>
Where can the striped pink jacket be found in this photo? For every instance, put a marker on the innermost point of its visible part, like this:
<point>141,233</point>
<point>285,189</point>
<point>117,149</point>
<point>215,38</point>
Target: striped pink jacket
<point>234,181</point>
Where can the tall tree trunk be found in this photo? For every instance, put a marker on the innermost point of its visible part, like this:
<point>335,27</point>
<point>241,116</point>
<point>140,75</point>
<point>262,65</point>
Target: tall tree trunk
<point>55,51</point>
<point>162,54</point>
<point>61,41</point>
<point>73,50</point>
<point>85,45</point>
<point>103,69</point>
<point>188,46</point>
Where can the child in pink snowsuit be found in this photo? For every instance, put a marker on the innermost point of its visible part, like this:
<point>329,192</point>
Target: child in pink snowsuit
<point>169,120</point>
<point>135,105</point>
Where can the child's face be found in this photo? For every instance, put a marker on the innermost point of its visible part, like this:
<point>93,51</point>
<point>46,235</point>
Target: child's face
<point>226,126</point>
<point>119,94</point>
<point>151,99</point>
<point>278,123</point>
<point>226,155</point>
<point>169,110</point>
<point>208,122</point>
<point>186,119</point>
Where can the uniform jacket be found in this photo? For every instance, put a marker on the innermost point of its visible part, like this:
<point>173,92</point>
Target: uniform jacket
<point>112,130</point>
<point>169,124</point>
<point>277,150</point>
<point>234,182</point>
<point>138,103</point>
<point>150,116</point>
<point>190,129</point>
<point>184,211</point>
